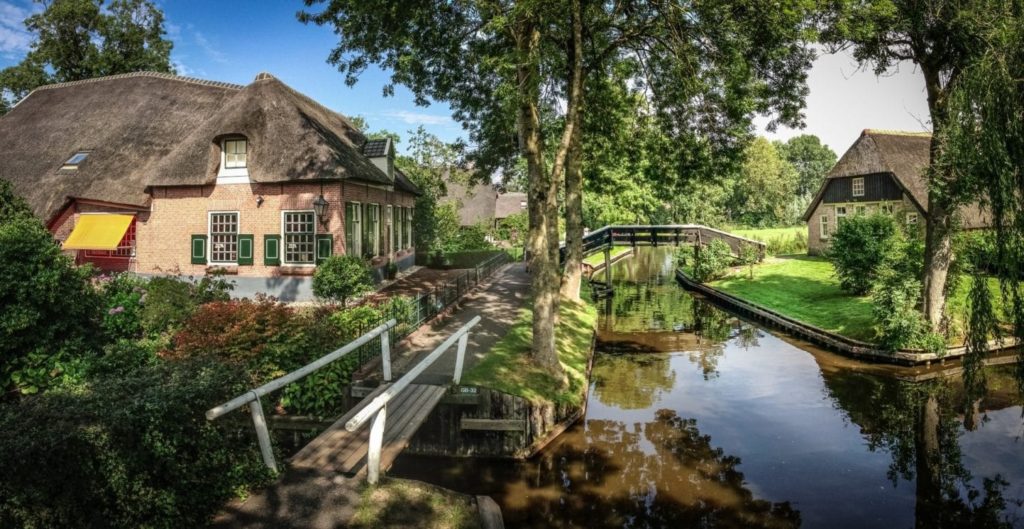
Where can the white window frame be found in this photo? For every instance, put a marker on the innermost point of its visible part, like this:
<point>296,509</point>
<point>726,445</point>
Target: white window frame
<point>854,185</point>
<point>375,237</point>
<point>209,236</point>
<point>283,250</point>
<point>389,216</point>
<point>912,218</point>
<point>840,216</point>
<point>233,175</point>
<point>358,231</point>
<point>860,209</point>
<point>888,208</point>
<point>823,225</point>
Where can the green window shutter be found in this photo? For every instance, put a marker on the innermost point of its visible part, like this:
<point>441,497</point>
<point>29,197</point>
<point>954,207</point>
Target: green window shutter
<point>272,250</point>
<point>199,249</point>
<point>324,247</point>
<point>245,250</point>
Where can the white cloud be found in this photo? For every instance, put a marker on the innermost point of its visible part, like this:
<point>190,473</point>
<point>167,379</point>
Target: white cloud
<point>13,37</point>
<point>419,118</point>
<point>211,50</point>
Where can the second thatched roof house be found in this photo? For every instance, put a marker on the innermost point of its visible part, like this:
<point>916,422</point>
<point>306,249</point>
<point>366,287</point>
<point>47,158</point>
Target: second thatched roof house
<point>883,171</point>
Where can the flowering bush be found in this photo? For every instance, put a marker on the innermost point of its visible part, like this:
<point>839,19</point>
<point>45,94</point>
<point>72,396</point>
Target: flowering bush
<point>123,297</point>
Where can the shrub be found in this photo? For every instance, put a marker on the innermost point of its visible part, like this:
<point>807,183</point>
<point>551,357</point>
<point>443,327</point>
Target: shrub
<point>711,261</point>
<point>171,300</point>
<point>122,297</point>
<point>49,311</point>
<point>126,451</point>
<point>513,228</point>
<point>858,247</point>
<point>748,257</point>
<point>341,277</point>
<point>896,297</point>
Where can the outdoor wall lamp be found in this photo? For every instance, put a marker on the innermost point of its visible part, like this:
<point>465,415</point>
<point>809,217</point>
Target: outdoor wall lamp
<point>259,200</point>
<point>320,208</point>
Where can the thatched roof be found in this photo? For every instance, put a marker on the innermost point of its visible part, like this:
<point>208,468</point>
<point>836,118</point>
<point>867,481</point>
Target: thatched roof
<point>403,183</point>
<point>101,116</point>
<point>509,204</point>
<point>475,203</point>
<point>905,155</point>
<point>153,129</point>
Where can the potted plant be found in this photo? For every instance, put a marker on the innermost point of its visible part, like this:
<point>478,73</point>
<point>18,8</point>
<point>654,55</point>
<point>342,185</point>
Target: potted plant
<point>391,270</point>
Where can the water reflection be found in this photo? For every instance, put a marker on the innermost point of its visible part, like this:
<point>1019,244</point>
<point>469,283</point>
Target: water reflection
<point>699,419</point>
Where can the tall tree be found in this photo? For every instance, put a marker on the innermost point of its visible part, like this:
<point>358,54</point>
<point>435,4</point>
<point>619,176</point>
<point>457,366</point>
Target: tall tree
<point>505,67</point>
<point>79,39</point>
<point>766,183</point>
<point>940,37</point>
<point>811,159</point>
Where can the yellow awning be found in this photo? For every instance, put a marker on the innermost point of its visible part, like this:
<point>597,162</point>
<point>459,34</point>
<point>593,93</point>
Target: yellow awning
<point>98,232</point>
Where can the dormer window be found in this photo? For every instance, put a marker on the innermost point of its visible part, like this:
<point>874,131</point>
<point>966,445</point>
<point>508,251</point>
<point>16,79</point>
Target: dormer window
<point>75,160</point>
<point>234,154</point>
<point>234,161</point>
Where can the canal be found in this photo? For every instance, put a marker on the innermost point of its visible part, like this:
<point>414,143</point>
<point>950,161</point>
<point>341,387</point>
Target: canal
<point>696,418</point>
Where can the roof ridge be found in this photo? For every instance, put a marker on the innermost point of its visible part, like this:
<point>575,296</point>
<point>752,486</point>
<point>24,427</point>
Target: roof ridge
<point>145,73</point>
<point>891,132</point>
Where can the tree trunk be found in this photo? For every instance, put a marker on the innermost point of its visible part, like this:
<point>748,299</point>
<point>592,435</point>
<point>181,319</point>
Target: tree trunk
<point>543,289</point>
<point>573,275</point>
<point>573,170</point>
<point>928,458</point>
<point>938,249</point>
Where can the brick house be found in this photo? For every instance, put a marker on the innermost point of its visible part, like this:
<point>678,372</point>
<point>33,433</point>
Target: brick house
<point>160,174</point>
<point>883,171</point>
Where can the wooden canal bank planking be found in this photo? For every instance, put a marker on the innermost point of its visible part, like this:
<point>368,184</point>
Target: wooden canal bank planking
<point>473,421</point>
<point>829,340</point>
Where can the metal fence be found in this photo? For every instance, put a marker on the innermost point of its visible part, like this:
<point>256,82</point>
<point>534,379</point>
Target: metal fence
<point>415,312</point>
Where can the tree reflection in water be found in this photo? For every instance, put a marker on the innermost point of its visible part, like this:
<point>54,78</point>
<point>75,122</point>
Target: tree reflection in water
<point>659,474</point>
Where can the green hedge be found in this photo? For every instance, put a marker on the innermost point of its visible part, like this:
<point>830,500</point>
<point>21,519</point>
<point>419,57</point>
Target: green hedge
<point>131,448</point>
<point>453,260</point>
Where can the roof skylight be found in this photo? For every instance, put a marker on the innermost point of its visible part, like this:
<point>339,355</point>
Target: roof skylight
<point>75,160</point>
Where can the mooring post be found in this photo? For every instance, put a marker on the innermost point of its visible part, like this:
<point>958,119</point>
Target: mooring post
<point>385,355</point>
<point>460,357</point>
<point>376,440</point>
<point>262,434</point>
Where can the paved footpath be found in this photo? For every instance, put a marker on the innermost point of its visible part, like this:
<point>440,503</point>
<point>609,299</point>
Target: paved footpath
<point>497,302</point>
<point>324,500</point>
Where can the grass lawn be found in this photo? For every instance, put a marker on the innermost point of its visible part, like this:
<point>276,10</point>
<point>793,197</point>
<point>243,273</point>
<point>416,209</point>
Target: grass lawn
<point>764,234</point>
<point>404,503</point>
<point>598,258</point>
<point>805,288</point>
<point>508,367</point>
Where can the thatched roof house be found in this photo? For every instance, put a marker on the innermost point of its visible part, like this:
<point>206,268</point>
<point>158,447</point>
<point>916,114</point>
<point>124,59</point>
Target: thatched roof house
<point>883,170</point>
<point>146,144</point>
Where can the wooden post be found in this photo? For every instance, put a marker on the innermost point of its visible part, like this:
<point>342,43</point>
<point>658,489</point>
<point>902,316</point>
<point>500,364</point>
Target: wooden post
<point>262,434</point>
<point>376,440</point>
<point>608,266</point>
<point>385,355</point>
<point>460,357</point>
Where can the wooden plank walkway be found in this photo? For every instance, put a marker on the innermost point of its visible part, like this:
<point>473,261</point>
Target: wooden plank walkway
<point>345,452</point>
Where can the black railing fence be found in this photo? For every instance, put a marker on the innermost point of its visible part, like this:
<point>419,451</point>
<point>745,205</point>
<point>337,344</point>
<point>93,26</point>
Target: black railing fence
<point>411,313</point>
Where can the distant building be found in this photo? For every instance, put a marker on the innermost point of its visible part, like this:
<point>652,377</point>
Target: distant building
<point>483,203</point>
<point>882,171</point>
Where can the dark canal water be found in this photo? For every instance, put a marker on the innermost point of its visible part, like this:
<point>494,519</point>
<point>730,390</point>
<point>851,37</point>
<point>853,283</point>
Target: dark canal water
<point>698,419</point>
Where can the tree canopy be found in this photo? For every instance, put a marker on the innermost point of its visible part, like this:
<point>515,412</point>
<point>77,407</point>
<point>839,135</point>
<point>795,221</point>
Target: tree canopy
<point>80,39</point>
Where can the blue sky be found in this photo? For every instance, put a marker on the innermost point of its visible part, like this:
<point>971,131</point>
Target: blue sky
<point>233,41</point>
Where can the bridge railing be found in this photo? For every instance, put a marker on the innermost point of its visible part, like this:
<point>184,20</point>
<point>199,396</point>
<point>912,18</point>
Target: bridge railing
<point>377,409</point>
<point>252,398</point>
<point>663,235</point>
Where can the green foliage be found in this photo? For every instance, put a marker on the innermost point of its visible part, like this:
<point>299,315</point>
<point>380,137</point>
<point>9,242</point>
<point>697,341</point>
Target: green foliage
<point>749,255</point>
<point>896,296</point>
<point>811,159</point>
<point>129,448</point>
<point>11,205</point>
<point>48,310</point>
<point>122,296</point>
<point>81,39</point>
<point>858,247</point>
<point>766,183</point>
<point>341,277</point>
<point>712,261</point>
<point>513,229</point>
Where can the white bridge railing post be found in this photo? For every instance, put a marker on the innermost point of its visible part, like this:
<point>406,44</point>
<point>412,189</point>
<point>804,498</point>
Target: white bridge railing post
<point>460,358</point>
<point>385,355</point>
<point>262,434</point>
<point>376,442</point>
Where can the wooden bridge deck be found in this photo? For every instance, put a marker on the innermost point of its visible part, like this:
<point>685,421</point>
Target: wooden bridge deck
<point>345,452</point>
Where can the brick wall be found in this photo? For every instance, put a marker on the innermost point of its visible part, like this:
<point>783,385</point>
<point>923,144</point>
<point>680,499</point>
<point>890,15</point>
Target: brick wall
<point>177,213</point>
<point>65,221</point>
<point>816,245</point>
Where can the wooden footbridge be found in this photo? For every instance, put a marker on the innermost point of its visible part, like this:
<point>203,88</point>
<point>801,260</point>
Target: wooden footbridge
<point>367,439</point>
<point>655,235</point>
